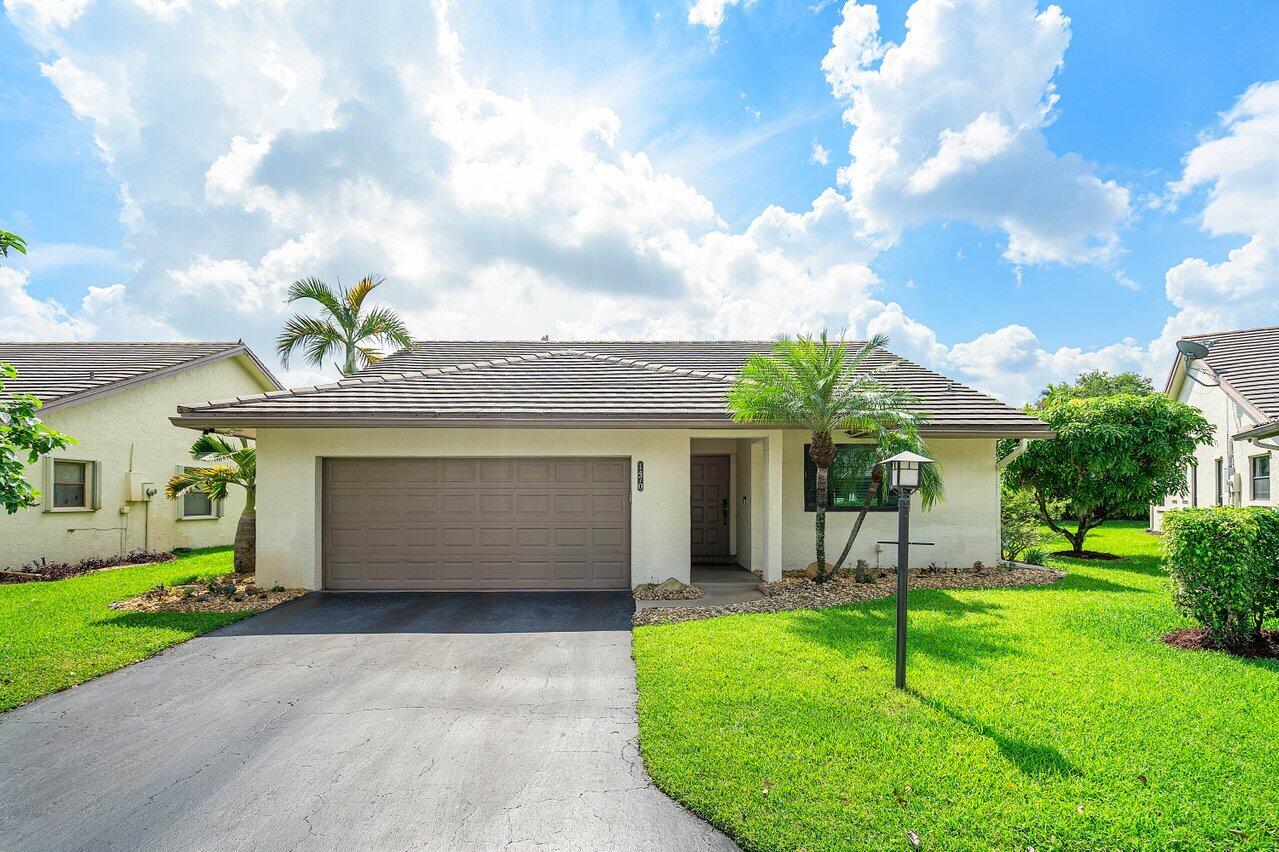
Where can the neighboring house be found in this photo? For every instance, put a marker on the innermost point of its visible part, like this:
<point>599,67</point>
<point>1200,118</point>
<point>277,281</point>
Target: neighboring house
<point>105,494</point>
<point>491,465</point>
<point>1236,386</point>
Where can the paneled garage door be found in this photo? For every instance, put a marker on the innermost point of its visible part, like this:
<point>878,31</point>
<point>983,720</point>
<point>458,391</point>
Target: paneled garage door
<point>477,523</point>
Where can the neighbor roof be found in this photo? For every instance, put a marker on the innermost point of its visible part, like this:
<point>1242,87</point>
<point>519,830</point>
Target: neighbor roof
<point>60,374</point>
<point>443,383</point>
<point>1247,362</point>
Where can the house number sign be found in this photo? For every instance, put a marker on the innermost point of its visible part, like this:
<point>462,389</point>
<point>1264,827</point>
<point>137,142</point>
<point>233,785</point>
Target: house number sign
<point>639,476</point>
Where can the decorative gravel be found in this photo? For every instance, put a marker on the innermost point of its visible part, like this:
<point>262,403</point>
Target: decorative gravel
<point>665,592</point>
<point>228,593</point>
<point>801,593</point>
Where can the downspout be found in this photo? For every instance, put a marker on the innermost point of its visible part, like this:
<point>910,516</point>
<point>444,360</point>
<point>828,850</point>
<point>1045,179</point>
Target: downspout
<point>1022,445</point>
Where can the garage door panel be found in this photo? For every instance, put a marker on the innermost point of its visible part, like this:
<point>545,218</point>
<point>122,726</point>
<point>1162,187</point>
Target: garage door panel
<point>483,523</point>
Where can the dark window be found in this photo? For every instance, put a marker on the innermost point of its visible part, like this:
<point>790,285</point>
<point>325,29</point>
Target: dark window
<point>1221,481</point>
<point>848,480</point>
<point>1193,475</point>
<point>196,504</point>
<point>70,485</point>
<point>1260,477</point>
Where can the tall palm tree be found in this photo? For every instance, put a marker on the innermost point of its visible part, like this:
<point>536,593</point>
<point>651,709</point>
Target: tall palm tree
<point>233,464</point>
<point>344,330</point>
<point>11,241</point>
<point>825,387</point>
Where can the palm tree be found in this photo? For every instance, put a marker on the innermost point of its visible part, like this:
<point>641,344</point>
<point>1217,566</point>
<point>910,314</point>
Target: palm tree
<point>11,241</point>
<point>825,387</point>
<point>343,330</point>
<point>233,464</point>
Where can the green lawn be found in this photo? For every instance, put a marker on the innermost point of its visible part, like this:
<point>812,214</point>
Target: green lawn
<point>1050,718</point>
<point>62,633</point>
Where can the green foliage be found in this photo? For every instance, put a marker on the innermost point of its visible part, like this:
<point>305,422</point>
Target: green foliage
<point>11,241</point>
<point>1224,562</point>
<point>1019,523</point>
<point>824,386</point>
<point>1045,717</point>
<point>235,463</point>
<point>1034,555</point>
<point>23,440</point>
<point>1095,384</point>
<point>1111,457</point>
<point>344,330</point>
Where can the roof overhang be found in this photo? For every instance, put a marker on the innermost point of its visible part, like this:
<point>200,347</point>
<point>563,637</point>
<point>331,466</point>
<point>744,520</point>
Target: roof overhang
<point>1265,430</point>
<point>248,425</point>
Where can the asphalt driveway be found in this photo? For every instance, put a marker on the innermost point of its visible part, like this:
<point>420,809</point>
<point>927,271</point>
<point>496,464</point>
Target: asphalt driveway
<point>387,721</point>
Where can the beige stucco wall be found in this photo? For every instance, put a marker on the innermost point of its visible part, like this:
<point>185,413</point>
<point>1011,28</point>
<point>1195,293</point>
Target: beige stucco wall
<point>965,525</point>
<point>767,491</point>
<point>1229,418</point>
<point>111,428</point>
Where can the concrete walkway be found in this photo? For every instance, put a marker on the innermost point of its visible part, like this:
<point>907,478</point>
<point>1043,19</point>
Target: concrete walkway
<point>722,584</point>
<point>370,721</point>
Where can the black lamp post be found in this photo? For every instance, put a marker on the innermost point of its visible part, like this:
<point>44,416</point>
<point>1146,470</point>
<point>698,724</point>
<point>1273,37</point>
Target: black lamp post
<point>904,470</point>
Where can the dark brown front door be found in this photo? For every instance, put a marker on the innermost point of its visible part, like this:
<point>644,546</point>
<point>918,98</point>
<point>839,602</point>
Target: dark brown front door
<point>710,508</point>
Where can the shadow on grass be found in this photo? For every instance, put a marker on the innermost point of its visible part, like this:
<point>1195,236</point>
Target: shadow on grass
<point>185,622</point>
<point>872,626</point>
<point>1038,760</point>
<point>1084,583</point>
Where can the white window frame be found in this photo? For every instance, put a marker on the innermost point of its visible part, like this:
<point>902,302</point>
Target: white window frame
<point>92,485</point>
<point>1252,478</point>
<point>215,505</point>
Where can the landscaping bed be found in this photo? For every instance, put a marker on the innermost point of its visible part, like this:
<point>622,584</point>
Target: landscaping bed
<point>795,591</point>
<point>667,590</point>
<point>224,593</point>
<point>43,569</point>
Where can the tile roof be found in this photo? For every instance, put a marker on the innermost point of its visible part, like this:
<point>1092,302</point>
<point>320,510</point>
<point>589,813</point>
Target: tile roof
<point>65,372</point>
<point>444,382</point>
<point>1248,361</point>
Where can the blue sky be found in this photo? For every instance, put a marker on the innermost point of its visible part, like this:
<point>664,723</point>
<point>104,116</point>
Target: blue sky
<point>730,113</point>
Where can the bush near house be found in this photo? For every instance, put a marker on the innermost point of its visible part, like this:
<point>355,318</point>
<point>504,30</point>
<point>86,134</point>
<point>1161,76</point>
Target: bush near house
<point>1224,563</point>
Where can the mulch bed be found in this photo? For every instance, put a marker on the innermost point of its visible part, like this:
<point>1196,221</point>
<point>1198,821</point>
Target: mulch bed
<point>1088,554</point>
<point>1196,639</point>
<point>228,593</point>
<point>791,593</point>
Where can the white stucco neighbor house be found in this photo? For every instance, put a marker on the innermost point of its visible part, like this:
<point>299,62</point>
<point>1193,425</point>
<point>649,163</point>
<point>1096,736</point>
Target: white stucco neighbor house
<point>593,465</point>
<point>105,495</point>
<point>1236,386</point>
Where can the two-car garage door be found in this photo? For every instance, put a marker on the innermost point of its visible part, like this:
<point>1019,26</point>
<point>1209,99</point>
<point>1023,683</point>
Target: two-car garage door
<point>477,523</point>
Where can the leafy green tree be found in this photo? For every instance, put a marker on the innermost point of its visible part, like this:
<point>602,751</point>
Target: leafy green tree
<point>345,330</point>
<point>22,436</point>
<point>1094,384</point>
<point>1112,457</point>
<point>1020,521</point>
<point>825,387</point>
<point>228,462</point>
<point>888,443</point>
<point>11,241</point>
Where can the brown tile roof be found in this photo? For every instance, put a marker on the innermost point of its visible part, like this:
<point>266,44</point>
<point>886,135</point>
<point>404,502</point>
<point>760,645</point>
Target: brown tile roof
<point>442,383</point>
<point>1247,361</point>
<point>63,373</point>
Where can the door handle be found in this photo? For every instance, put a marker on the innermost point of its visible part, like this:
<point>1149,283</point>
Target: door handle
<point>725,509</point>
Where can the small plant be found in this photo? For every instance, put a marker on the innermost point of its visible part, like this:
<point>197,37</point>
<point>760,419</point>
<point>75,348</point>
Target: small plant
<point>1224,563</point>
<point>979,567</point>
<point>277,588</point>
<point>1034,555</point>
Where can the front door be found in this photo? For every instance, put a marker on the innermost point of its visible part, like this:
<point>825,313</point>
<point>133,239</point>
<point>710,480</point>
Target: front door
<point>710,508</point>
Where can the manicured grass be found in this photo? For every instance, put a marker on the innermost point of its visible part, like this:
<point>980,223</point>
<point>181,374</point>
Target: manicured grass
<point>1050,718</point>
<point>62,633</point>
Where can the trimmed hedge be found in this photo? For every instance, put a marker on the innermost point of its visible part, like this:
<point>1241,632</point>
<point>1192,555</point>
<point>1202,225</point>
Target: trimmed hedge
<point>1224,563</point>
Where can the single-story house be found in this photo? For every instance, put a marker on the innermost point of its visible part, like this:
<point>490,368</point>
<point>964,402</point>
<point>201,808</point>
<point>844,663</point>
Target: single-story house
<point>1233,378</point>
<point>594,465</point>
<point>104,495</point>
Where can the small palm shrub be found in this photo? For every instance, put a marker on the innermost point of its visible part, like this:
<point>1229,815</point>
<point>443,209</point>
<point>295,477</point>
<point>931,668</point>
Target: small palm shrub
<point>1035,555</point>
<point>1224,563</point>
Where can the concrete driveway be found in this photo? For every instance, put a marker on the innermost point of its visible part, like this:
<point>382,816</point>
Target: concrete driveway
<point>387,721</point>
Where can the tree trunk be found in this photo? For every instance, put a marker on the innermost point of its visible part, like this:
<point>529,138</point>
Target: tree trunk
<point>246,543</point>
<point>821,496</point>
<point>876,480</point>
<point>822,452</point>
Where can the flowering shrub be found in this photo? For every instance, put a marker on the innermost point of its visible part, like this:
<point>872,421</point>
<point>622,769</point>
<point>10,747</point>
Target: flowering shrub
<point>61,570</point>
